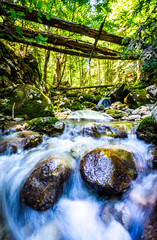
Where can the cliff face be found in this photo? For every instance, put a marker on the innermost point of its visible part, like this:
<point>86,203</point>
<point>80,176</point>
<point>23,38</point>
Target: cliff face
<point>15,69</point>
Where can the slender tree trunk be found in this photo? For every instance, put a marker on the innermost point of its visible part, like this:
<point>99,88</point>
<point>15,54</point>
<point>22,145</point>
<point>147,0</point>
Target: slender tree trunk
<point>47,58</point>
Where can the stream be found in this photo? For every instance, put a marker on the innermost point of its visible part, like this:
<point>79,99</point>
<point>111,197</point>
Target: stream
<point>78,215</point>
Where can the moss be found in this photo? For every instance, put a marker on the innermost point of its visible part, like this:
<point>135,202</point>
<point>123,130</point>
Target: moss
<point>146,130</point>
<point>76,106</point>
<point>89,104</point>
<point>137,98</point>
<point>145,124</point>
<point>115,113</point>
<point>31,102</point>
<point>40,122</point>
<point>50,126</point>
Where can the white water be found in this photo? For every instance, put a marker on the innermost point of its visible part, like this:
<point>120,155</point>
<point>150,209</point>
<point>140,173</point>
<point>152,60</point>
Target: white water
<point>77,215</point>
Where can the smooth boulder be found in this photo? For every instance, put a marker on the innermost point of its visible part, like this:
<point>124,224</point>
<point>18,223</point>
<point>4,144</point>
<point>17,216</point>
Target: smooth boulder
<point>108,171</point>
<point>89,115</point>
<point>46,183</point>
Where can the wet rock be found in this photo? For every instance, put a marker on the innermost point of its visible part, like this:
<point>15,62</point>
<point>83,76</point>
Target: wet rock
<point>119,93</point>
<point>108,171</point>
<point>152,90</point>
<point>143,110</point>
<point>25,140</point>
<point>79,152</point>
<point>103,130</point>
<point>150,231</point>
<point>103,103</point>
<point>116,113</point>
<point>29,139</point>
<point>154,115</point>
<point>118,105</point>
<point>8,145</point>
<point>137,98</point>
<point>147,130</point>
<point>47,125</point>
<point>9,127</point>
<point>89,115</point>
<point>46,183</point>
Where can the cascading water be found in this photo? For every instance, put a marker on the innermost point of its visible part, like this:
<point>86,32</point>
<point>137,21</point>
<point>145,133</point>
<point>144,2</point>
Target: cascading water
<point>78,213</point>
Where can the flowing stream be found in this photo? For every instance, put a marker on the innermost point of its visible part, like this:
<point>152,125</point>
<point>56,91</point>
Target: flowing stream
<point>78,215</point>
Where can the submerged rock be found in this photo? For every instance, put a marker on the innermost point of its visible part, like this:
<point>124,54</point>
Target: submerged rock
<point>103,130</point>
<point>89,115</point>
<point>25,140</point>
<point>45,184</point>
<point>108,171</point>
<point>47,125</point>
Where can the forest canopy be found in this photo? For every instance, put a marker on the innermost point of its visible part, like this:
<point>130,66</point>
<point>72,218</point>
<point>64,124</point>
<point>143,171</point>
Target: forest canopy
<point>87,30</point>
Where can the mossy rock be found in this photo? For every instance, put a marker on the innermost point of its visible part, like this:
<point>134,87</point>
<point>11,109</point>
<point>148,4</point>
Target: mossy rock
<point>50,126</point>
<point>137,98</point>
<point>88,104</point>
<point>115,113</point>
<point>30,102</point>
<point>147,130</point>
<point>76,106</point>
<point>71,94</point>
<point>108,171</point>
<point>88,97</point>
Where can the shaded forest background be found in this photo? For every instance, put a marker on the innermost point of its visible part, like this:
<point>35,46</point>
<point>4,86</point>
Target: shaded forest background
<point>132,19</point>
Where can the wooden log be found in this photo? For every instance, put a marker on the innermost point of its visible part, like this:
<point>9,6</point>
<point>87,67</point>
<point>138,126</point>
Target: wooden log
<point>33,15</point>
<point>59,40</point>
<point>98,86</point>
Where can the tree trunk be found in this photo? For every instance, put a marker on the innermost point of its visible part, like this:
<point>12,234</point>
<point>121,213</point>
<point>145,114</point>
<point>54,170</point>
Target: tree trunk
<point>47,58</point>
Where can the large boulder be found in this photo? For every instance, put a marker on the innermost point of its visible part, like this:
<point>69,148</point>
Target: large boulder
<point>29,102</point>
<point>137,98</point>
<point>45,184</point>
<point>108,171</point>
<point>100,130</point>
<point>89,115</point>
<point>147,130</point>
<point>50,126</point>
<point>119,93</point>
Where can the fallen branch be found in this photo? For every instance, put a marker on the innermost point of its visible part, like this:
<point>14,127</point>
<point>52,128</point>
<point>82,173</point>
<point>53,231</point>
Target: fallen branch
<point>33,15</point>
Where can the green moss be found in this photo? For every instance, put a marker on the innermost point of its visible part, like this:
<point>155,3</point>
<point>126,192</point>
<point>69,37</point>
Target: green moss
<point>115,113</point>
<point>76,106</point>
<point>40,122</point>
<point>145,124</point>
<point>89,104</point>
<point>31,102</point>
